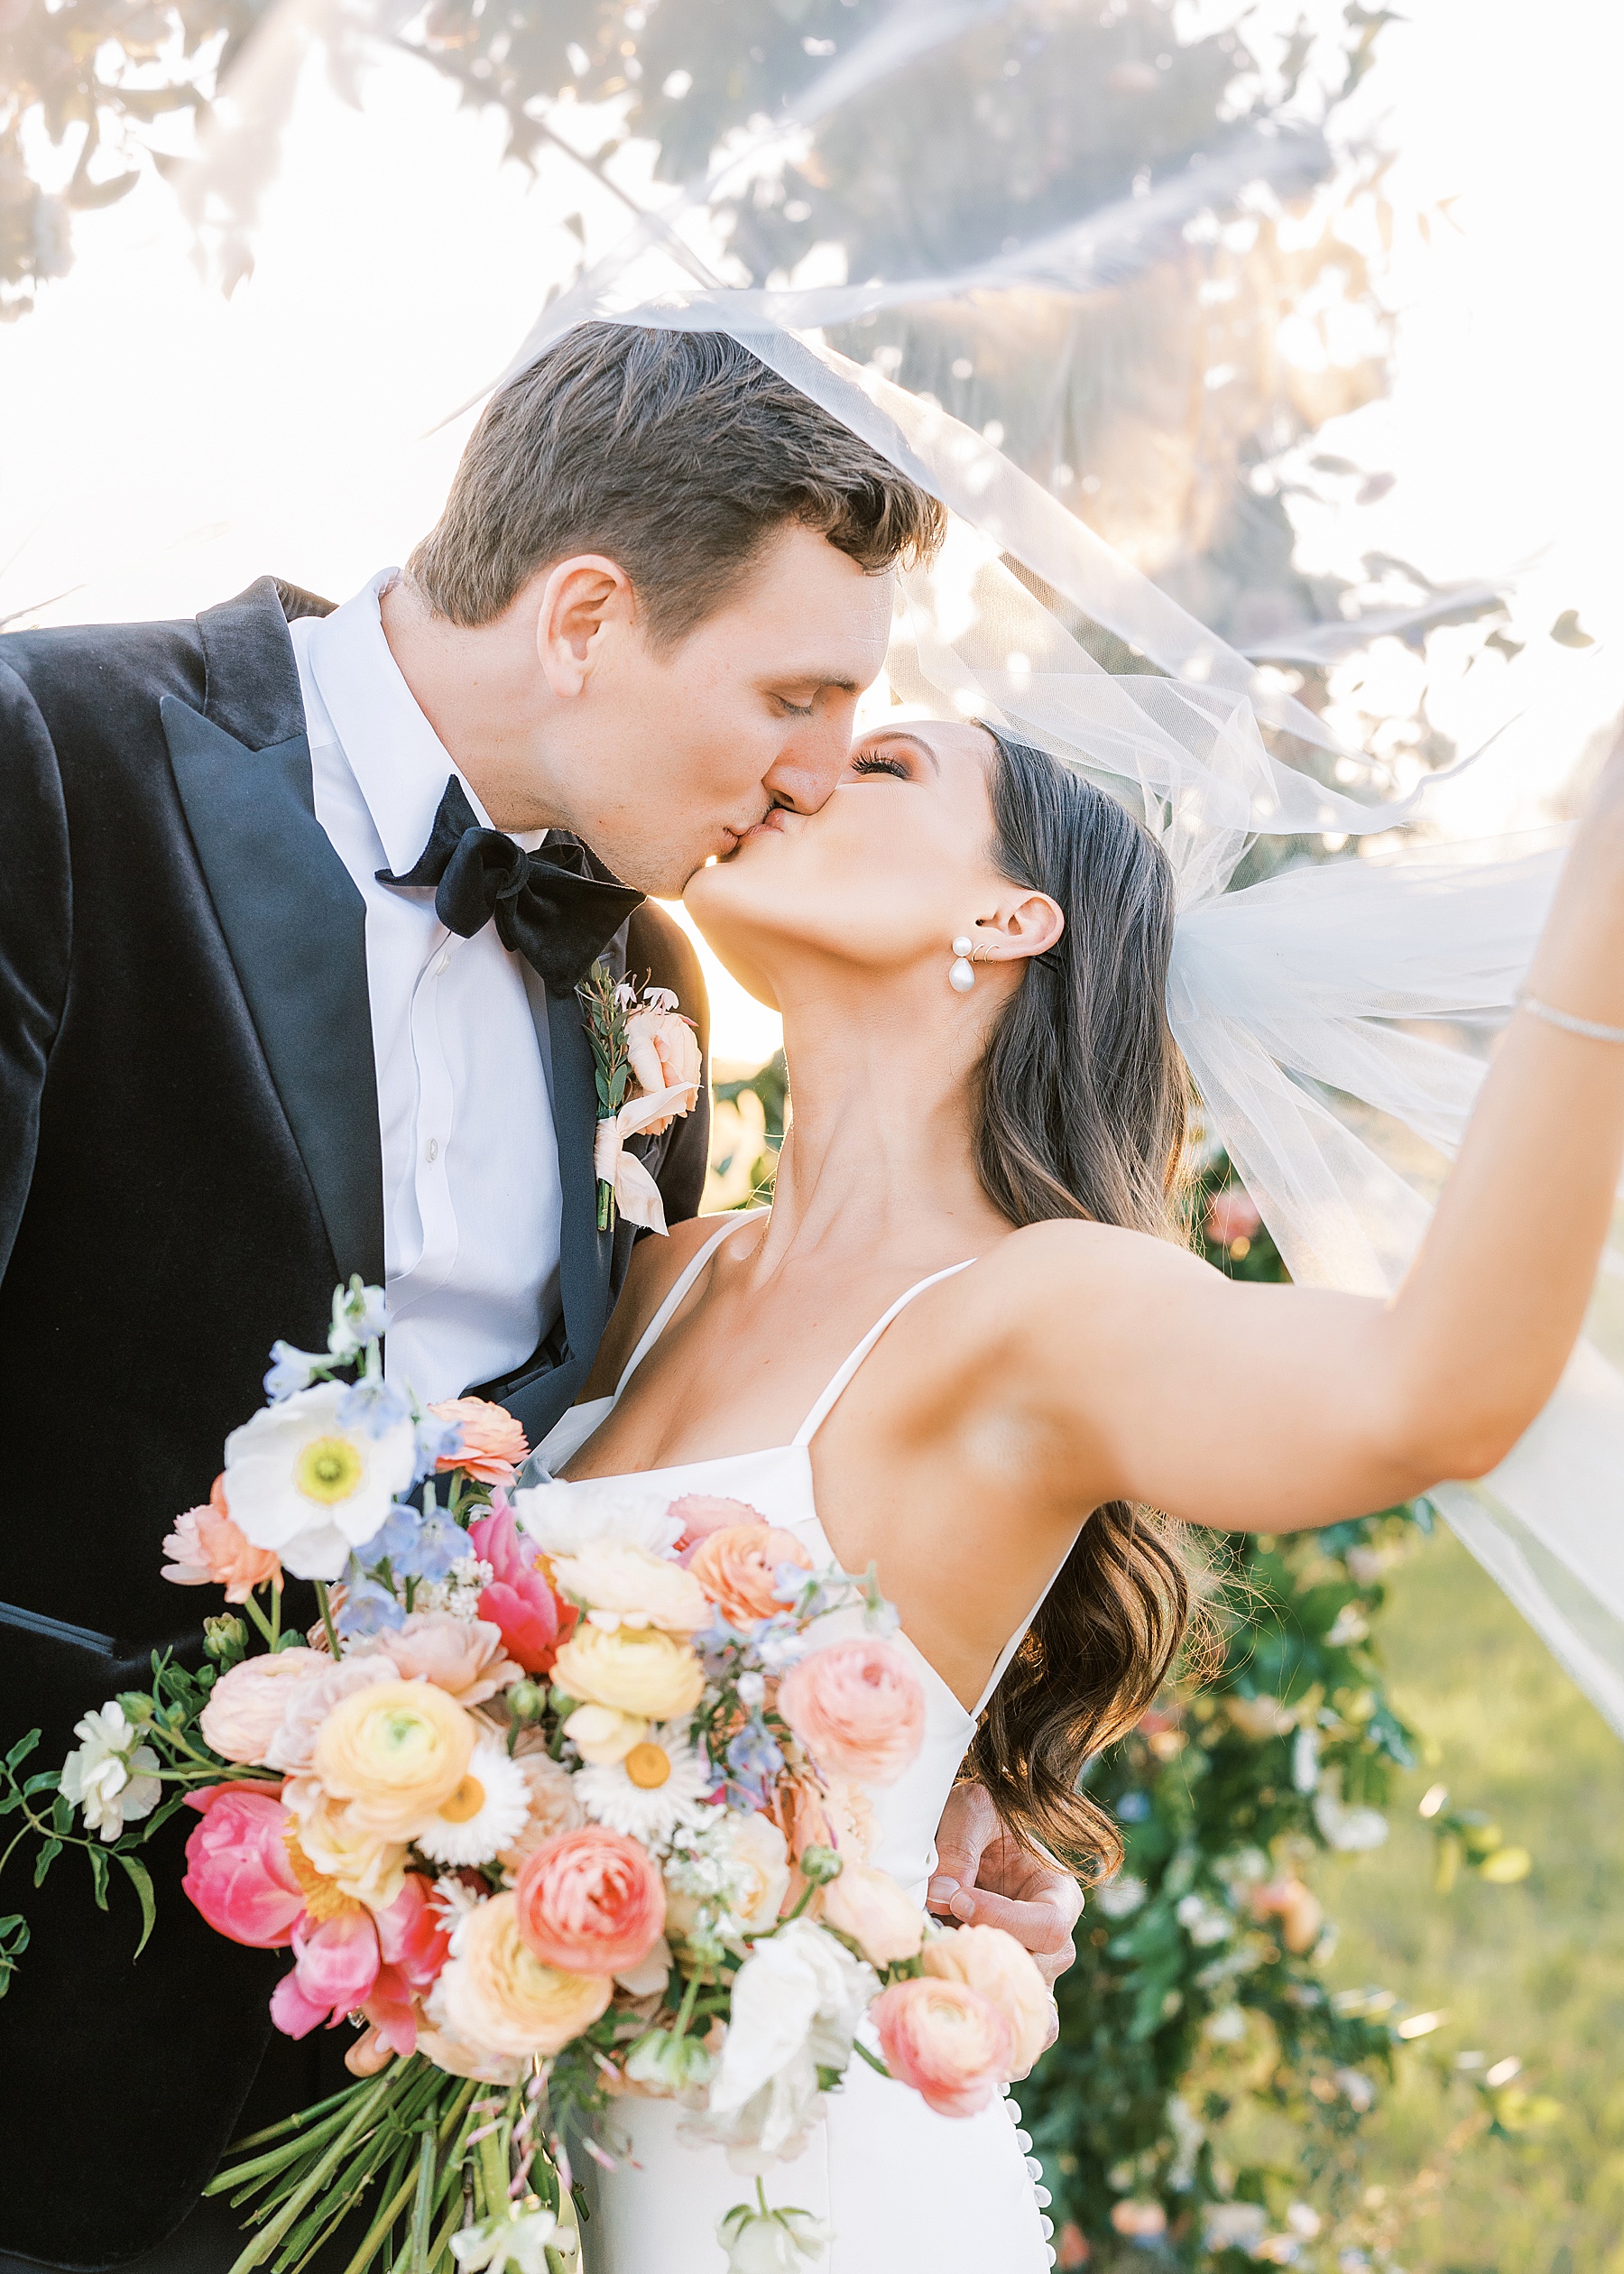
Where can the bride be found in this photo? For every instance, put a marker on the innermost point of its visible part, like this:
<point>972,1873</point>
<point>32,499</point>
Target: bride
<point>968,1342</point>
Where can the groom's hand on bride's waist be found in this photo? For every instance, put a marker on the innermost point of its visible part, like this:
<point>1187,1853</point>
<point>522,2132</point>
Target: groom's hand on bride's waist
<point>984,1878</point>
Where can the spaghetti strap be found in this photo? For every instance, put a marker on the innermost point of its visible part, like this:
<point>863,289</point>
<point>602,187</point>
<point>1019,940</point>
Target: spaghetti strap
<point>685,1279</point>
<point>821,1410</point>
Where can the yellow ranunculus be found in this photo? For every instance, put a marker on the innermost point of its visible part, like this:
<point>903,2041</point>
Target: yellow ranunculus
<point>359,1863</point>
<point>395,1752</point>
<point>636,1670</point>
<point>496,1997</point>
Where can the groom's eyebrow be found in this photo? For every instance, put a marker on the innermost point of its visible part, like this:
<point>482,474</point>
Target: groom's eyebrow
<point>895,734</point>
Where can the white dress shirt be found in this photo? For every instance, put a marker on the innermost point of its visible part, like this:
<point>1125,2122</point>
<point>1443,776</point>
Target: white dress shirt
<point>471,1191</point>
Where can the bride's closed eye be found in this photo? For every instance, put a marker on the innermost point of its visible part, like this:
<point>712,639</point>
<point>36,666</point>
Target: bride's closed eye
<point>872,762</point>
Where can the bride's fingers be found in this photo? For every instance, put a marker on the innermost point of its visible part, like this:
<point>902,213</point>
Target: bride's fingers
<point>1043,1927</point>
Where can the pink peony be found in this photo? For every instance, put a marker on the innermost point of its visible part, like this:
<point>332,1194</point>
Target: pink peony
<point>858,1709</point>
<point>946,2040</point>
<point>246,1705</point>
<point>590,1902</point>
<point>466,1657</point>
<point>702,1513</point>
<point>737,1566</point>
<point>238,1870</point>
<point>519,1600</point>
<point>492,1443</point>
<point>207,1549</point>
<point>335,1967</point>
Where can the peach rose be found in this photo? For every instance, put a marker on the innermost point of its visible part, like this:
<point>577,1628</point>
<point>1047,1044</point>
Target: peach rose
<point>496,1997</point>
<point>989,1960</point>
<point>868,1905</point>
<point>858,1709</point>
<point>465,1657</point>
<point>736,1566</point>
<point>207,1549</point>
<point>553,1808</point>
<point>664,1051</point>
<point>396,1752</point>
<point>590,1902</point>
<point>246,1704</point>
<point>638,1671</point>
<point>702,1513</point>
<point>946,2040</point>
<point>492,1443</point>
<point>1232,1215</point>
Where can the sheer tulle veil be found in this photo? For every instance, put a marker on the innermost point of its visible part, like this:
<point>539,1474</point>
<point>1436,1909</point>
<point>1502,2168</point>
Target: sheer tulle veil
<point>1336,1017</point>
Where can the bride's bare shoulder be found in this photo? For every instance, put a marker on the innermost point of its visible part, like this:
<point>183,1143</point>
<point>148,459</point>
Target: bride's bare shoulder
<point>654,1269</point>
<point>1076,1253</point>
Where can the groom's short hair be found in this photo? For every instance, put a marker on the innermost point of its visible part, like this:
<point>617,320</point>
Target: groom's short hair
<point>678,454</point>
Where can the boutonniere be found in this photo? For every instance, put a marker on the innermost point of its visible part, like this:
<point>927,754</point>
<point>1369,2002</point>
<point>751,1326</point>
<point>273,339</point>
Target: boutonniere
<point>646,1058</point>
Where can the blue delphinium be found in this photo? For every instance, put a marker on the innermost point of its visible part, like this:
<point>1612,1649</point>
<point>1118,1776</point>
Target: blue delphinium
<point>292,1369</point>
<point>436,1441</point>
<point>374,1405</point>
<point>368,1608</point>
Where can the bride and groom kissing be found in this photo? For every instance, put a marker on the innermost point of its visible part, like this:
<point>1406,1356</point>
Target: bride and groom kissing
<point>295,905</point>
<point>240,1061</point>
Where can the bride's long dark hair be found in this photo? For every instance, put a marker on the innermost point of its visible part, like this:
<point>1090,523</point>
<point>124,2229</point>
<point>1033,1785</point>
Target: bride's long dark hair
<point>1081,1108</point>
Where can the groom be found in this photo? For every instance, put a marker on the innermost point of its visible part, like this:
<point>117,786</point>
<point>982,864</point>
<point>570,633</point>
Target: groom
<point>293,906</point>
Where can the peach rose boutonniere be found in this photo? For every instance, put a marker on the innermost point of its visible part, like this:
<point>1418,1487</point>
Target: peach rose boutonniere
<point>649,1068</point>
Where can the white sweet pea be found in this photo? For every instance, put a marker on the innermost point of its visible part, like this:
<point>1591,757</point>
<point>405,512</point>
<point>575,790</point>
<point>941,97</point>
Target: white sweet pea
<point>563,1522</point>
<point>300,1483</point>
<point>636,1194</point>
<point>111,1776</point>
<point>796,2002</point>
<point>772,2242</point>
<point>516,2238</point>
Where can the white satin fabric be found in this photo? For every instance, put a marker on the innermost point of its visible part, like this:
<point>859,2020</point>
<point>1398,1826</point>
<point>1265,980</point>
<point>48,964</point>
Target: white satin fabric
<point>905,2191</point>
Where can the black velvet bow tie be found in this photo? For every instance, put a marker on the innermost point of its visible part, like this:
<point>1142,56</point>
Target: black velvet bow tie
<point>559,908</point>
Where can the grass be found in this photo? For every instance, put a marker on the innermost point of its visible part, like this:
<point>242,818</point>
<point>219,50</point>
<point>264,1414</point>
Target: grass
<point>1534,1971</point>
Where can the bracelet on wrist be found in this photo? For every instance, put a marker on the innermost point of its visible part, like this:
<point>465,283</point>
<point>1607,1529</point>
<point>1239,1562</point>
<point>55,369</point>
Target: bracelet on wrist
<point>1591,1029</point>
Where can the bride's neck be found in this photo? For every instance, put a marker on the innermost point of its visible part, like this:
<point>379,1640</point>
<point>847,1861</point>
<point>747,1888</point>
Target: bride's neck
<point>879,1150</point>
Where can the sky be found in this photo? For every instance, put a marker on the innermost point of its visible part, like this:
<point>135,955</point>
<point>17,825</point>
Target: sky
<point>162,445</point>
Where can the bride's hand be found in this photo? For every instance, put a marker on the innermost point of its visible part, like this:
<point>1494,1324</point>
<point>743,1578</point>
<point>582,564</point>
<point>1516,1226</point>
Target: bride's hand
<point>985,1878</point>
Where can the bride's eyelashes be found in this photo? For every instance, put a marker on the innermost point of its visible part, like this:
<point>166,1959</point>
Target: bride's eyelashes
<point>871,763</point>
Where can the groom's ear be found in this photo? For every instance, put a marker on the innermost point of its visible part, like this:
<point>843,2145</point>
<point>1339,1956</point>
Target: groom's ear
<point>581,600</point>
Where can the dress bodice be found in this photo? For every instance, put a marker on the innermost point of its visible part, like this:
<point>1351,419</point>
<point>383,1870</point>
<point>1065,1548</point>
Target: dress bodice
<point>777,1483</point>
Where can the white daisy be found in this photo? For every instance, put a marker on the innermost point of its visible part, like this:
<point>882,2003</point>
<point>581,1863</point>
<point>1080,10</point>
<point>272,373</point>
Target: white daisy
<point>659,1786</point>
<point>487,1811</point>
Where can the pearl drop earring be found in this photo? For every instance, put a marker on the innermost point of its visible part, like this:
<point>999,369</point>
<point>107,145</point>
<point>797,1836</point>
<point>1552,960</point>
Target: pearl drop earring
<point>961,978</point>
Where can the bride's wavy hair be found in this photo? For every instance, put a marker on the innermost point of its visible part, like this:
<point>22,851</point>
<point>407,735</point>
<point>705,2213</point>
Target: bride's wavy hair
<point>1081,1110</point>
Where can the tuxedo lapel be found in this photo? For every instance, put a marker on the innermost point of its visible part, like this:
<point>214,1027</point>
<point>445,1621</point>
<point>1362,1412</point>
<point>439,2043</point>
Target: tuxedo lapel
<point>584,1253</point>
<point>295,926</point>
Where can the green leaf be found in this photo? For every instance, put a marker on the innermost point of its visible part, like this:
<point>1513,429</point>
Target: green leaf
<point>44,1860</point>
<point>61,1815</point>
<point>98,1874</point>
<point>20,1752</point>
<point>140,1880</point>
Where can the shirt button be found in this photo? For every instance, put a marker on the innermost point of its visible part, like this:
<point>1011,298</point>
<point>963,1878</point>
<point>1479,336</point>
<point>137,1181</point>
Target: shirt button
<point>431,1150</point>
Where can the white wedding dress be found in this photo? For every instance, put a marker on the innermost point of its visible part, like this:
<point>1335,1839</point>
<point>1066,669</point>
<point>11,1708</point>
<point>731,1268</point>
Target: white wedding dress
<point>905,2191</point>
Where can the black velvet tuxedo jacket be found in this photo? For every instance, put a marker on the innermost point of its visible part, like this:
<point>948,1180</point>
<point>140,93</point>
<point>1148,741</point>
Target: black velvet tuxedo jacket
<point>190,1163</point>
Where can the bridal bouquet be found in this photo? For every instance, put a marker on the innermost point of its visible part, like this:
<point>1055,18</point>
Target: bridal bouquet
<point>561,1799</point>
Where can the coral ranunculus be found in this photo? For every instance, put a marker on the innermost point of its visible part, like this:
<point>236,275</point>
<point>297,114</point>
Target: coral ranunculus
<point>495,1996</point>
<point>206,1549</point>
<point>239,1870</point>
<point>702,1513</point>
<point>992,1961</point>
<point>246,1705</point>
<point>946,2040</point>
<point>492,1443</point>
<point>520,1599</point>
<point>737,1566</point>
<point>590,1902</point>
<point>395,1752</point>
<point>636,1670</point>
<point>858,1709</point>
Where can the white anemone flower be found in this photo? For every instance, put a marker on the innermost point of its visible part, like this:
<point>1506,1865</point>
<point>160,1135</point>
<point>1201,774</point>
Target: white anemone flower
<point>111,1776</point>
<point>561,1519</point>
<point>656,1788</point>
<point>487,1811</point>
<point>298,1481</point>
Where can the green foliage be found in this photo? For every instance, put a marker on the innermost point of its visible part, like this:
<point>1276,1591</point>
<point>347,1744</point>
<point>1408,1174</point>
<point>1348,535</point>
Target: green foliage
<point>1208,2093</point>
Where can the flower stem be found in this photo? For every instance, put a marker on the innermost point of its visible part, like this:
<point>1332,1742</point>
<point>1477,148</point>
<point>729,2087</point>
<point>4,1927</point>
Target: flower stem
<point>260,1620</point>
<point>685,2012</point>
<point>761,2198</point>
<point>326,1620</point>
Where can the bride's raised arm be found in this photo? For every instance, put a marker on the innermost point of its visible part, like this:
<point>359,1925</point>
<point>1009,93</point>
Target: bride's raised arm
<point>1270,1409</point>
